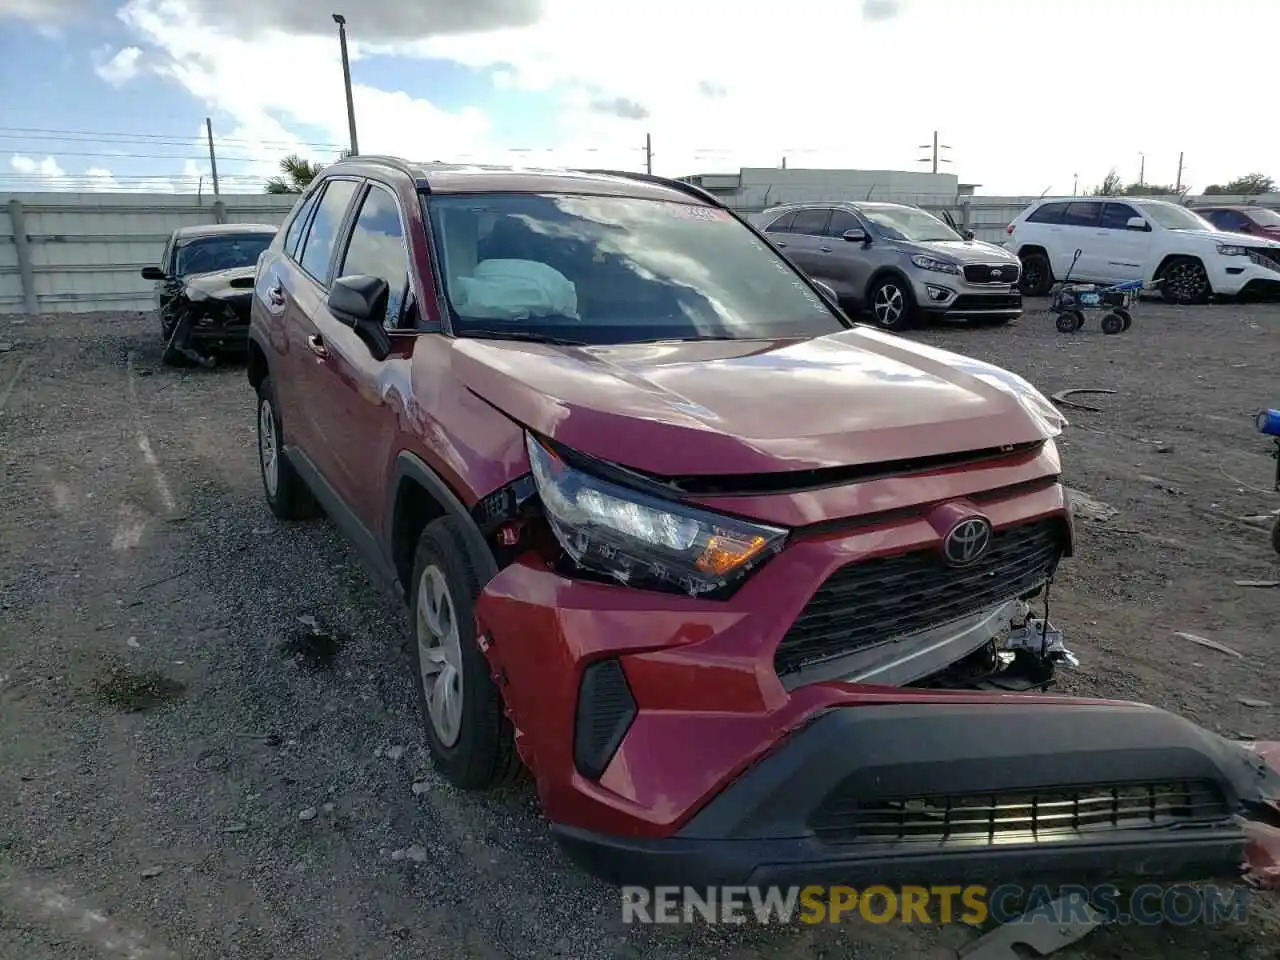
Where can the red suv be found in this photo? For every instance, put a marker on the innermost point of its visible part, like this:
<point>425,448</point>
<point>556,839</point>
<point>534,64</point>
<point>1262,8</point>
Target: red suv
<point>742,583</point>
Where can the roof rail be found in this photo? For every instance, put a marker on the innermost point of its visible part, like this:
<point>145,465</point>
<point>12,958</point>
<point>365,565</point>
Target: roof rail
<point>400,166</point>
<point>681,185</point>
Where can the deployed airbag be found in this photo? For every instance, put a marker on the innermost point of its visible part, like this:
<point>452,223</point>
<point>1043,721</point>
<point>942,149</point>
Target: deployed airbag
<point>515,290</point>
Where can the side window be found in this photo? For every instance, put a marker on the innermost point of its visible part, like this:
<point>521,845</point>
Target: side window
<point>1049,213</point>
<point>377,249</point>
<point>1083,214</point>
<point>782,224</point>
<point>1232,221</point>
<point>1116,216</point>
<point>811,222</point>
<point>841,222</point>
<point>317,247</point>
<point>298,224</point>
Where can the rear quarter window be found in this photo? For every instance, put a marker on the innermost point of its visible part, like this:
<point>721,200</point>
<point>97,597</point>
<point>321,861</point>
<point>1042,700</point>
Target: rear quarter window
<point>1048,213</point>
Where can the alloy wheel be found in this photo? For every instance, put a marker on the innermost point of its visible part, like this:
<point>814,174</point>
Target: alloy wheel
<point>268,447</point>
<point>888,305</point>
<point>1188,282</point>
<point>439,655</point>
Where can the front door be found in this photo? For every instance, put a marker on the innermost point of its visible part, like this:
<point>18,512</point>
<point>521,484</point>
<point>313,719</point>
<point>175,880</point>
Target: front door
<point>847,264</point>
<point>1126,249</point>
<point>806,240</point>
<point>355,392</point>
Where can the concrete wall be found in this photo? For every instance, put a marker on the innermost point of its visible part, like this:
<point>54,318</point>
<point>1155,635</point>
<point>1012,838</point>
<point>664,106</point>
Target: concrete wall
<point>77,252</point>
<point>84,251</point>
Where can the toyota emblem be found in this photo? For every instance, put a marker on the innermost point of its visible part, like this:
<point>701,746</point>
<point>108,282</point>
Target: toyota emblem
<point>967,542</point>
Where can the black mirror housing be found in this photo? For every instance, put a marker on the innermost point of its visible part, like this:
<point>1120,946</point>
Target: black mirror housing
<point>153,273</point>
<point>360,302</point>
<point>855,236</point>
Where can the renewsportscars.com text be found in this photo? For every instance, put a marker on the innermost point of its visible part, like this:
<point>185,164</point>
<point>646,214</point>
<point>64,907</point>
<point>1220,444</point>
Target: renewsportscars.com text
<point>1147,905</point>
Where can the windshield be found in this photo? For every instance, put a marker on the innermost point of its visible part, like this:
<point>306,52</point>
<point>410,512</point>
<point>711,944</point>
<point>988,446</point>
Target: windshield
<point>605,270</point>
<point>1173,217</point>
<point>1264,217</point>
<point>207,254</point>
<point>907,223</point>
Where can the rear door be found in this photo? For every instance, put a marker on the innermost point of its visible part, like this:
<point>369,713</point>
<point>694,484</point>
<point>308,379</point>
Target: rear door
<point>1080,228</point>
<point>306,285</point>
<point>807,238</point>
<point>349,382</point>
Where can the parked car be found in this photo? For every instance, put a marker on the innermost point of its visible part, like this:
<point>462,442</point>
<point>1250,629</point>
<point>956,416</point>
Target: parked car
<point>1243,218</point>
<point>706,557</point>
<point>1123,239</point>
<point>897,263</point>
<point>203,287</point>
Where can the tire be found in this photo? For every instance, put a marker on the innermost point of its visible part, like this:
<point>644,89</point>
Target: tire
<point>472,743</point>
<point>172,356</point>
<point>1037,275</point>
<point>1185,281</point>
<point>891,304</point>
<point>1112,324</point>
<point>1070,322</point>
<point>287,495</point>
<point>1124,315</point>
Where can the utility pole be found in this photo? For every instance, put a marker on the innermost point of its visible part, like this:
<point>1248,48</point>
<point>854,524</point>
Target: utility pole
<point>1178,187</point>
<point>934,156</point>
<point>1142,169</point>
<point>648,154</point>
<point>1075,184</point>
<point>213,160</point>
<point>341,21</point>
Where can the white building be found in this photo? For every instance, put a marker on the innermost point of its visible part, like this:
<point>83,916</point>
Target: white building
<point>754,188</point>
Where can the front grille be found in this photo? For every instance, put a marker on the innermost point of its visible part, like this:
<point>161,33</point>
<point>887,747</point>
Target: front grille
<point>1029,816</point>
<point>991,273</point>
<point>978,301</point>
<point>1269,255</point>
<point>873,601</point>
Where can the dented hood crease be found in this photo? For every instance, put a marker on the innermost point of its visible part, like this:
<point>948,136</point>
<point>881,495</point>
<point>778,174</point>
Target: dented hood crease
<point>717,407</point>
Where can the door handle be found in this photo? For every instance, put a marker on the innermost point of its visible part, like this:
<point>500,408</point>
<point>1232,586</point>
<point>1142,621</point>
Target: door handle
<point>275,295</point>
<point>779,243</point>
<point>316,344</point>
<point>824,249</point>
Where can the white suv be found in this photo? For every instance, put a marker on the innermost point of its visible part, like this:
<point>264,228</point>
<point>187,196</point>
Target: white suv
<point>1121,239</point>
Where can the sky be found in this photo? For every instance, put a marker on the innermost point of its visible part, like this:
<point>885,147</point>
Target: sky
<point>1030,95</point>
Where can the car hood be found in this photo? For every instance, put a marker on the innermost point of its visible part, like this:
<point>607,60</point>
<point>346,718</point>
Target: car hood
<point>230,284</point>
<point>726,407</point>
<point>1235,239</point>
<point>964,251</point>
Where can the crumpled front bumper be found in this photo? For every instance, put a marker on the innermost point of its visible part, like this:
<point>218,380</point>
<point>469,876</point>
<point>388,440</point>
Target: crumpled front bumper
<point>885,794</point>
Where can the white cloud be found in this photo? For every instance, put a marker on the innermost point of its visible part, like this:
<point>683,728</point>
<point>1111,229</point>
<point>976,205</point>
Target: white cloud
<point>44,11</point>
<point>1004,81</point>
<point>119,68</point>
<point>48,174</point>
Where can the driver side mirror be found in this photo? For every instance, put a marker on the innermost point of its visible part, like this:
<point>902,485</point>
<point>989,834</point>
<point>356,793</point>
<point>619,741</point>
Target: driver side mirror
<point>1137,223</point>
<point>360,302</point>
<point>153,273</point>
<point>856,236</point>
<point>968,234</point>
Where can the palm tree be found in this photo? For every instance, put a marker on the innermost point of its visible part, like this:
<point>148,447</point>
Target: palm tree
<point>297,174</point>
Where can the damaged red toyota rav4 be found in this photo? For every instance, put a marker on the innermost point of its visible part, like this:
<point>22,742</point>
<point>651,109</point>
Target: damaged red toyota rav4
<point>757,594</point>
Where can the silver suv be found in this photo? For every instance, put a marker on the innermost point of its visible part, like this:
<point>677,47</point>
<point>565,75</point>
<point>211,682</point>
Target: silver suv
<point>896,262</point>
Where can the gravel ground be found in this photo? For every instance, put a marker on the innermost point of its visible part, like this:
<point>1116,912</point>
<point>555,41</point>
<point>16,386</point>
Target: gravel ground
<point>208,742</point>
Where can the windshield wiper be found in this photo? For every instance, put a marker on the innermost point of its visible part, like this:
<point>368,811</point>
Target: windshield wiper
<point>528,336</point>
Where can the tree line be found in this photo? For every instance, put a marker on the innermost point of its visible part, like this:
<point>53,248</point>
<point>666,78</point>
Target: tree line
<point>1248,185</point>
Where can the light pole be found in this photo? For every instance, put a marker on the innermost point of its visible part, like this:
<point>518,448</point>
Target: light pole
<point>341,21</point>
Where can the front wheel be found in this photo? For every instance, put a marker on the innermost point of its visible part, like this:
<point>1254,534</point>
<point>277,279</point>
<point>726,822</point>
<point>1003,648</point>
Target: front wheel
<point>1185,281</point>
<point>892,305</point>
<point>471,740</point>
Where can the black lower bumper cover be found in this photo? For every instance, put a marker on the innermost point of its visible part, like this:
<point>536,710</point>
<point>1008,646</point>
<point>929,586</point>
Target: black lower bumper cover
<point>757,831</point>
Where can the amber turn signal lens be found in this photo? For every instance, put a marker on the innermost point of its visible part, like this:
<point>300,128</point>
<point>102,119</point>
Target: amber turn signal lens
<point>724,554</point>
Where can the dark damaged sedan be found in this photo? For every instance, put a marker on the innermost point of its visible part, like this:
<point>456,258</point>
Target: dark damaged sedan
<point>203,287</point>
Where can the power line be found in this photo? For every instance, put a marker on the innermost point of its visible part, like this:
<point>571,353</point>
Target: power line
<point>160,139</point>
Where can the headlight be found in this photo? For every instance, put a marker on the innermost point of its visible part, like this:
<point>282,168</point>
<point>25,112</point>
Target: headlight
<point>1230,250</point>
<point>934,264</point>
<point>644,540</point>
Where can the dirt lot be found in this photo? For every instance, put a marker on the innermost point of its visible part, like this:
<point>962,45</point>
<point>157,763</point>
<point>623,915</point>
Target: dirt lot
<point>185,770</point>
